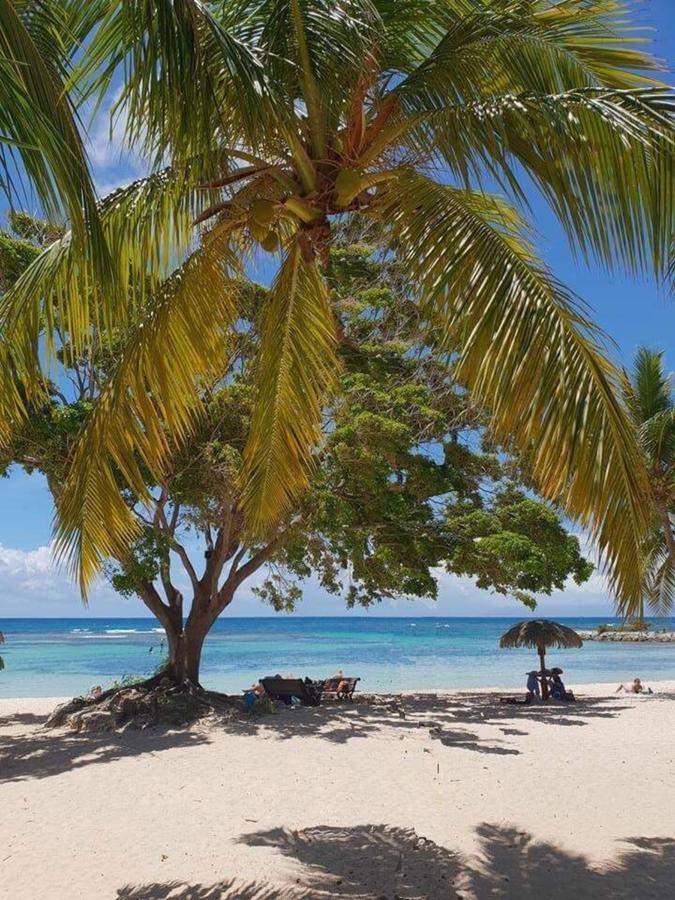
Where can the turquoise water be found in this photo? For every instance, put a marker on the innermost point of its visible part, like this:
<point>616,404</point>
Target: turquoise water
<point>60,657</point>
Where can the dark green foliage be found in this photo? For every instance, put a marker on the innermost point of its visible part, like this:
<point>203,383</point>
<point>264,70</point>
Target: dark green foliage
<point>405,484</point>
<point>21,244</point>
<point>15,255</point>
<point>514,544</point>
<point>403,488</point>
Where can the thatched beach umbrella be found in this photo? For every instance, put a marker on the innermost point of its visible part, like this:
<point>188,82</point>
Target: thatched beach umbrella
<point>540,634</point>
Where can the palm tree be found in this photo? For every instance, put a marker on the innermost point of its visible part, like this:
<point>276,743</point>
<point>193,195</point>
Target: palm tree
<point>38,124</point>
<point>649,396</point>
<point>266,123</point>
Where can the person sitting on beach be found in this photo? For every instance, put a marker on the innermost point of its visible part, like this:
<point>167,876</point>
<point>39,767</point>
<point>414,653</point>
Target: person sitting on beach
<point>253,695</point>
<point>342,685</point>
<point>533,689</point>
<point>557,688</point>
<point>637,687</point>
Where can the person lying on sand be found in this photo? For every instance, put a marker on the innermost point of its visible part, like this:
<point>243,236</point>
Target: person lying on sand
<point>637,687</point>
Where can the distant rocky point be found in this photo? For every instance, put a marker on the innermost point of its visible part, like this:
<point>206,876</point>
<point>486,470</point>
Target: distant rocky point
<point>633,637</point>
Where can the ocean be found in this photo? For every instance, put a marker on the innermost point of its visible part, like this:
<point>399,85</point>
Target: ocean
<point>63,657</point>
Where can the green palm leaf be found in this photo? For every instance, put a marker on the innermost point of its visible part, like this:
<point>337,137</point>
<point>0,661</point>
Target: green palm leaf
<point>490,48</point>
<point>659,578</point>
<point>327,103</point>
<point>37,121</point>
<point>525,351</point>
<point>297,367</point>
<point>148,405</point>
<point>609,175</point>
<point>649,398</point>
<point>187,77</point>
<point>148,227</point>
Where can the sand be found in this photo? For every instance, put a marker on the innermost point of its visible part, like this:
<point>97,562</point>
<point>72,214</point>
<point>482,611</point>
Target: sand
<point>459,796</point>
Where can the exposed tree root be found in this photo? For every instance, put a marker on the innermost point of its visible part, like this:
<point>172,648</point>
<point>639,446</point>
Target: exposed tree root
<point>157,701</point>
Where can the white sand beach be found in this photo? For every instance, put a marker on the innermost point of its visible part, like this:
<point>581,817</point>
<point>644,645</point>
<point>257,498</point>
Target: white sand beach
<point>435,796</point>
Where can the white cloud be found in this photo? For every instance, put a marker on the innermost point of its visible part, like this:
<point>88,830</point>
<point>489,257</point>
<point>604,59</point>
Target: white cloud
<point>114,164</point>
<point>32,585</point>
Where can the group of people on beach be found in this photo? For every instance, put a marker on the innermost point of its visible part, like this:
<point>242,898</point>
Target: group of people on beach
<point>556,688</point>
<point>558,691</point>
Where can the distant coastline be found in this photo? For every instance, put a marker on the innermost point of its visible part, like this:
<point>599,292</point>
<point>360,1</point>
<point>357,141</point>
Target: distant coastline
<point>629,637</point>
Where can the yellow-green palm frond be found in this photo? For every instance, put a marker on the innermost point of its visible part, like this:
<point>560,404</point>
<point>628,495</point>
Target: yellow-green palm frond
<point>148,227</point>
<point>296,368</point>
<point>38,122</point>
<point>659,574</point>
<point>504,47</point>
<point>528,354</point>
<point>147,406</point>
<point>604,160</point>
<point>187,77</point>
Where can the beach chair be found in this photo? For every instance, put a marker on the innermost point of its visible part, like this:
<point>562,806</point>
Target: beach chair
<point>330,686</point>
<point>286,689</point>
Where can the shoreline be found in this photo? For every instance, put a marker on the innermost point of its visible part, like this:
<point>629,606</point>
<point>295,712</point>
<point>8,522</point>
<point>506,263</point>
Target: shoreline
<point>593,688</point>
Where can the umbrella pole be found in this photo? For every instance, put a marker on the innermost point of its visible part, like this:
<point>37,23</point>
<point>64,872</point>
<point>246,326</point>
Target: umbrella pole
<point>544,683</point>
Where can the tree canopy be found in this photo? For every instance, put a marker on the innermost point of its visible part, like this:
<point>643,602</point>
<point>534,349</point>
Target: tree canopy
<point>406,485</point>
<point>266,123</point>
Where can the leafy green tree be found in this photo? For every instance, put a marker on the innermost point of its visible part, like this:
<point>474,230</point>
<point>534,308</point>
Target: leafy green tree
<point>399,475</point>
<point>515,546</point>
<point>649,395</point>
<point>278,117</point>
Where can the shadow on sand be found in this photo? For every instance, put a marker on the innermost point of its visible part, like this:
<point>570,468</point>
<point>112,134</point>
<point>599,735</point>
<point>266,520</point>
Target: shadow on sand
<point>377,862</point>
<point>445,716</point>
<point>36,753</point>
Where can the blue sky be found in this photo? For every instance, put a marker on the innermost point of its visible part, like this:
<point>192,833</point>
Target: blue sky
<point>632,312</point>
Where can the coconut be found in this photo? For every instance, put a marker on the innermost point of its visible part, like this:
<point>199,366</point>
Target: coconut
<point>258,232</point>
<point>347,186</point>
<point>270,242</point>
<point>262,212</point>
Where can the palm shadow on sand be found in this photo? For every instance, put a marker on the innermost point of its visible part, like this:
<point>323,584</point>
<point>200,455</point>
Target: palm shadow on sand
<point>379,862</point>
<point>37,753</point>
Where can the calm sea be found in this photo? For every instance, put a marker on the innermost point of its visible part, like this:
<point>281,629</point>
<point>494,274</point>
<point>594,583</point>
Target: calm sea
<point>60,657</point>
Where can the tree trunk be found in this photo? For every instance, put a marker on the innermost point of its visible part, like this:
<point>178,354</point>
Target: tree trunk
<point>185,643</point>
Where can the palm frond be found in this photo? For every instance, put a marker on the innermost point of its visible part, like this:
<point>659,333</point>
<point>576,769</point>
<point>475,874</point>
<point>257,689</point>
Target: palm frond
<point>297,366</point>
<point>187,77</point>
<point>148,406</point>
<point>604,160</point>
<point>659,573</point>
<point>526,352</point>
<point>650,388</point>
<point>38,123</point>
<point>493,48</point>
<point>148,227</point>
